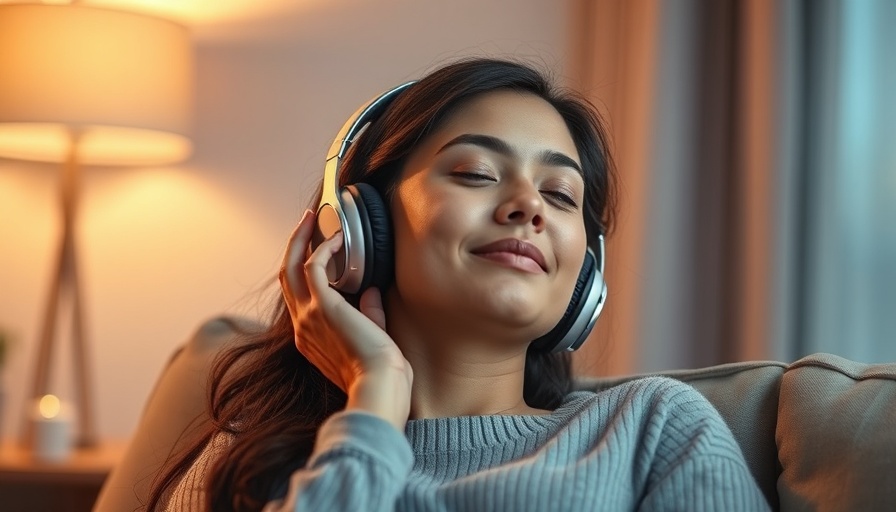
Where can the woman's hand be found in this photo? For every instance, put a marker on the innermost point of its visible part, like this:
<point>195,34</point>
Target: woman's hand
<point>350,347</point>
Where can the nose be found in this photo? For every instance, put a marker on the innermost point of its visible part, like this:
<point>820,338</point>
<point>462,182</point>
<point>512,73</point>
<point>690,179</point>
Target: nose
<point>523,204</point>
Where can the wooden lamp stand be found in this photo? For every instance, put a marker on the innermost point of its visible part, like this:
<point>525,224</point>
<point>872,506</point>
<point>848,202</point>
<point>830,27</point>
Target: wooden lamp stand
<point>65,286</point>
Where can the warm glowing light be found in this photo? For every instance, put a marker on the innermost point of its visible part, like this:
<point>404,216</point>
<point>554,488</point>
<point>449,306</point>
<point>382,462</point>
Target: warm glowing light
<point>201,12</point>
<point>118,81</point>
<point>98,145</point>
<point>49,406</point>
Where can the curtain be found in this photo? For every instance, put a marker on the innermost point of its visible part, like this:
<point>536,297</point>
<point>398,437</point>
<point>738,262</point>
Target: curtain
<point>845,161</point>
<point>612,61</point>
<point>686,89</point>
<point>757,170</point>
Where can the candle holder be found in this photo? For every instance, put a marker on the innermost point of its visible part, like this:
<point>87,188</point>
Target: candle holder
<point>52,422</point>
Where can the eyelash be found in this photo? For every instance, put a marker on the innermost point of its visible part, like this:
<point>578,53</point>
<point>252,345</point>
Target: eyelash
<point>566,200</point>
<point>474,176</point>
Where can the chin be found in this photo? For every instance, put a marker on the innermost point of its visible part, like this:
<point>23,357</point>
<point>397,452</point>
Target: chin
<point>508,301</point>
<point>516,309</point>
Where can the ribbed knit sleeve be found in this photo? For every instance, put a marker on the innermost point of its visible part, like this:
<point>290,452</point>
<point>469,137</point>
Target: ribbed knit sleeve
<point>360,462</point>
<point>707,483</point>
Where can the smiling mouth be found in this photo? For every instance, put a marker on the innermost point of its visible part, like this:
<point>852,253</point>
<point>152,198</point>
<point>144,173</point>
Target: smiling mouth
<point>513,253</point>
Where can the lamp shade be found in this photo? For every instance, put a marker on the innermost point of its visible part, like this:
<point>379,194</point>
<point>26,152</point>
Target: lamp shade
<point>122,81</point>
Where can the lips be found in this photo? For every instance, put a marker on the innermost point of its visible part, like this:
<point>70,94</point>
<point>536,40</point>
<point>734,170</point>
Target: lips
<point>514,253</point>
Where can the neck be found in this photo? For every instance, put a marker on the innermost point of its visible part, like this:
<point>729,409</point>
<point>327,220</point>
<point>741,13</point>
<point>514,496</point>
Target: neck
<point>452,385</point>
<point>459,372</point>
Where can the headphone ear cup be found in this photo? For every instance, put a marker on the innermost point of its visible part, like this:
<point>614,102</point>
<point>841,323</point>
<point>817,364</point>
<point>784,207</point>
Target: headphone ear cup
<point>377,236</point>
<point>585,286</point>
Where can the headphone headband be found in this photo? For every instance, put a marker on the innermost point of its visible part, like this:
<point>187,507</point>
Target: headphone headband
<point>338,213</point>
<point>365,114</point>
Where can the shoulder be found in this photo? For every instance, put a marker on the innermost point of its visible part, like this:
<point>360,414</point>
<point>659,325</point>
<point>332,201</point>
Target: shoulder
<point>679,447</point>
<point>663,413</point>
<point>189,494</point>
<point>652,395</point>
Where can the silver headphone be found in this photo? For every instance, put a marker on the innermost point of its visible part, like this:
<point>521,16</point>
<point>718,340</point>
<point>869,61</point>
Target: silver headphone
<point>366,258</point>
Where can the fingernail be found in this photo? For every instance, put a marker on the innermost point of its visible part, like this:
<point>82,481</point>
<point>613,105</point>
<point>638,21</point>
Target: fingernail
<point>305,215</point>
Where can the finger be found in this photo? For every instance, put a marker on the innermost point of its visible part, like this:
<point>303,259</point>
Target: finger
<point>316,270</point>
<point>291,279</point>
<point>371,304</point>
<point>292,276</point>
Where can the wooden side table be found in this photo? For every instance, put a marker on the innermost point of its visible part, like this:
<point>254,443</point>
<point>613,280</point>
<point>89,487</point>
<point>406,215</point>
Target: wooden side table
<point>27,484</point>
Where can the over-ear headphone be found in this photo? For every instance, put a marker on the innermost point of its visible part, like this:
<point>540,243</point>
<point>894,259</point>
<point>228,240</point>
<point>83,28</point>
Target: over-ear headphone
<point>366,257</point>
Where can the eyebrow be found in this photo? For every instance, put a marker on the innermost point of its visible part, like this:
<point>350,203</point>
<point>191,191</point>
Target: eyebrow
<point>547,157</point>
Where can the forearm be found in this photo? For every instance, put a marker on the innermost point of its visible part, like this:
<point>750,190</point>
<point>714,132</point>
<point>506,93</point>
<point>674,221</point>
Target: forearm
<point>360,462</point>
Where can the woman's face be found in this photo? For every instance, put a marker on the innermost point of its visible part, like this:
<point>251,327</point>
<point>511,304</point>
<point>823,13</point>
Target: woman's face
<point>488,218</point>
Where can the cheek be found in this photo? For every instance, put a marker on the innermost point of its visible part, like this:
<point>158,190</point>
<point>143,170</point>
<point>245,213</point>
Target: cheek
<point>430,217</point>
<point>416,222</point>
<point>571,240</point>
<point>419,227</point>
<point>573,244</point>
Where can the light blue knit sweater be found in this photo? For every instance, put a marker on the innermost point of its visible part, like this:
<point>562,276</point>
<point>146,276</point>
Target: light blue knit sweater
<point>650,444</point>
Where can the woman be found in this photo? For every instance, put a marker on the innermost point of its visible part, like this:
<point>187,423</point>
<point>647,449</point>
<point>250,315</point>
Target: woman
<point>426,392</point>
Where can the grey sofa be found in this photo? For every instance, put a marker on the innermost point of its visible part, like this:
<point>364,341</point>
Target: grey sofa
<point>818,433</point>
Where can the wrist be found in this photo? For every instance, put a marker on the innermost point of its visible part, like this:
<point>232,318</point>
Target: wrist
<point>385,392</point>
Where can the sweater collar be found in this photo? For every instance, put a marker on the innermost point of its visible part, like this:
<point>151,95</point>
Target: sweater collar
<point>476,432</point>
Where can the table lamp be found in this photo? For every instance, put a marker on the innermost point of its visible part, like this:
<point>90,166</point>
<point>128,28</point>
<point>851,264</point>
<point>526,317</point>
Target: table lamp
<point>79,86</point>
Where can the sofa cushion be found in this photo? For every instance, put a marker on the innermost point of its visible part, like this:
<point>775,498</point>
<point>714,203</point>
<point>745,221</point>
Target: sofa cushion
<point>746,396</point>
<point>836,435</point>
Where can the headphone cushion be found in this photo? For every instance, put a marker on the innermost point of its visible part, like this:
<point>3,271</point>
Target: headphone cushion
<point>584,286</point>
<point>378,244</point>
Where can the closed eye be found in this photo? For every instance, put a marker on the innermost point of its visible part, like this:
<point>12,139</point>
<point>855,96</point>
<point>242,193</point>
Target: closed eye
<point>566,201</point>
<point>473,176</point>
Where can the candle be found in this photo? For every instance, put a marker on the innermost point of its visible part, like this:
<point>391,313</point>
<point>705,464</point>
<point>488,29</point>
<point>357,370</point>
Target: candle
<point>52,430</point>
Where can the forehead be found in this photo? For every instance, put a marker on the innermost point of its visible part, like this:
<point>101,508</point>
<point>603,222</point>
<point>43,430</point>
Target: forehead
<point>528,123</point>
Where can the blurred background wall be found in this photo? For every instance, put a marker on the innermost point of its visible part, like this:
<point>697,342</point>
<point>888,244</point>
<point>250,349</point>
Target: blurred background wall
<point>754,141</point>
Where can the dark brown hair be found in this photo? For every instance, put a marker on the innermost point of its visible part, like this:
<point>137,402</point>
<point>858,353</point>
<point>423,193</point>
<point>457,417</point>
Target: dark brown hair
<point>269,397</point>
